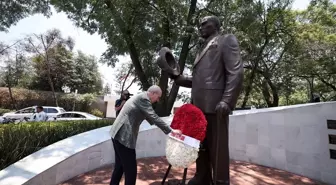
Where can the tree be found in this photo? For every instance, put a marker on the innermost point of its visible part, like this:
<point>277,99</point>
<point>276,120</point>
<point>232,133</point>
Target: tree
<point>125,77</point>
<point>275,45</point>
<point>62,69</point>
<point>139,28</point>
<point>76,71</point>
<point>7,74</point>
<point>85,77</point>
<point>15,71</point>
<point>40,44</point>
<point>315,48</point>
<point>14,11</point>
<point>107,89</point>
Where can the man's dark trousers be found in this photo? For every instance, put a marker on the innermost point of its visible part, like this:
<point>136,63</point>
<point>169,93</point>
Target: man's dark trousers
<point>207,154</point>
<point>125,162</point>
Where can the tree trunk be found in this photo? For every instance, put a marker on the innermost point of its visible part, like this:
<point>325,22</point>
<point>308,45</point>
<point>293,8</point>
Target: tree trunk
<point>272,101</point>
<point>126,77</point>
<point>50,80</point>
<point>266,94</point>
<point>255,66</point>
<point>9,84</point>
<point>311,88</point>
<point>161,108</point>
<point>183,56</point>
<point>131,46</point>
<point>274,93</point>
<point>137,64</point>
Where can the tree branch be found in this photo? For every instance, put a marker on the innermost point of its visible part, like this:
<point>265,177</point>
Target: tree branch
<point>131,46</point>
<point>4,49</point>
<point>191,47</point>
<point>35,48</point>
<point>128,73</point>
<point>327,83</point>
<point>134,80</point>
<point>206,8</point>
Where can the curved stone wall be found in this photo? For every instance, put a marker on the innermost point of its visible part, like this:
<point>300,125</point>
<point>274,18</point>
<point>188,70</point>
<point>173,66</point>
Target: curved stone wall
<point>78,154</point>
<point>292,138</point>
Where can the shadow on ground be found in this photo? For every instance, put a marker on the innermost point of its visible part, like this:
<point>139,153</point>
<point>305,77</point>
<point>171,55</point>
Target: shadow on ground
<point>152,170</point>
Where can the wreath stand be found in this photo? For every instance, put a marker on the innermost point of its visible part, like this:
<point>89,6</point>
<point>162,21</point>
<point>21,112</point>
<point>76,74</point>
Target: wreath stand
<point>183,178</point>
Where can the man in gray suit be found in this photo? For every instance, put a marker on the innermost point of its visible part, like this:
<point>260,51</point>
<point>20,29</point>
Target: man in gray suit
<point>124,132</point>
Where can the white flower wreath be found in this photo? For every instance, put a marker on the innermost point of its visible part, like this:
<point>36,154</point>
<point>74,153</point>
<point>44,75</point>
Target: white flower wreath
<point>181,154</point>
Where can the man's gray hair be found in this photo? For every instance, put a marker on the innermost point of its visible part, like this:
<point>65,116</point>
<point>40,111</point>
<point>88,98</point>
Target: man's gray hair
<point>154,89</point>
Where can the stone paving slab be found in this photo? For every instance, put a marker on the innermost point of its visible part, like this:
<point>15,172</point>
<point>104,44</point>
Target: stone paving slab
<point>152,170</point>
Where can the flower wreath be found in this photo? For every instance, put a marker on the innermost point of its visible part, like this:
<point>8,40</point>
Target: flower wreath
<point>182,152</point>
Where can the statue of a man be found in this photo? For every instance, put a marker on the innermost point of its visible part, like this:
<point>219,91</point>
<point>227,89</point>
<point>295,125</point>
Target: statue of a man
<point>216,83</point>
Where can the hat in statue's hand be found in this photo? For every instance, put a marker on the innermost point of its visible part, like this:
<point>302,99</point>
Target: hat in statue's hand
<point>167,62</point>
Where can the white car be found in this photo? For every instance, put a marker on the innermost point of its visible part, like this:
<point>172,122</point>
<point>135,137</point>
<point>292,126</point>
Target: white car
<point>74,115</point>
<point>29,111</point>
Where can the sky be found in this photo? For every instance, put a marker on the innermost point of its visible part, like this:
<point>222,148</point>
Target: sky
<point>89,44</point>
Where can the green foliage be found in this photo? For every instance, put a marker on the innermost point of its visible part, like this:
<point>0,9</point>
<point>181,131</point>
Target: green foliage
<point>287,54</point>
<point>76,71</point>
<point>14,11</point>
<point>97,113</point>
<point>20,140</point>
<point>52,59</point>
<point>25,98</point>
<point>139,28</point>
<point>86,77</point>
<point>107,89</point>
<point>55,61</point>
<point>3,111</point>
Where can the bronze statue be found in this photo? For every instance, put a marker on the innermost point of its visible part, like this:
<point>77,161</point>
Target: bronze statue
<point>216,83</point>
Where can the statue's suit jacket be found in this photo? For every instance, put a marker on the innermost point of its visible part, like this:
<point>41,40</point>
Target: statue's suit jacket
<point>217,74</point>
<point>126,126</point>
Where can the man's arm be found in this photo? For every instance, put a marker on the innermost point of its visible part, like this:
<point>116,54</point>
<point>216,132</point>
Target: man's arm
<point>146,107</point>
<point>184,81</point>
<point>234,71</point>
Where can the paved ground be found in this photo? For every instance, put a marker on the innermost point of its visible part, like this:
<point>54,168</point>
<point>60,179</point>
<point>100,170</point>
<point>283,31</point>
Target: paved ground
<point>152,170</point>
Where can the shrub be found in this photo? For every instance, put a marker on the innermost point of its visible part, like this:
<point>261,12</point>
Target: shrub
<point>20,140</point>
<point>97,113</point>
<point>26,98</point>
<point>3,111</point>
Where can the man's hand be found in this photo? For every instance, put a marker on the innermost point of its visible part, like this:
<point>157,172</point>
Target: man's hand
<point>177,132</point>
<point>223,109</point>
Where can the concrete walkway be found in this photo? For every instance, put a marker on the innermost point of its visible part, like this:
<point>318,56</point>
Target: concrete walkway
<point>152,170</point>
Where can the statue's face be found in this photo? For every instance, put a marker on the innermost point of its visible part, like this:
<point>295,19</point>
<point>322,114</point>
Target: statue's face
<point>207,28</point>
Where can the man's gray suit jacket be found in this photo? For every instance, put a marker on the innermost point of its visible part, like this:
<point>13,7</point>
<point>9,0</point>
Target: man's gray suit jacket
<point>125,128</point>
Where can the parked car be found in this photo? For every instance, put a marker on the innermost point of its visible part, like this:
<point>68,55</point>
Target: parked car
<point>29,111</point>
<point>74,115</point>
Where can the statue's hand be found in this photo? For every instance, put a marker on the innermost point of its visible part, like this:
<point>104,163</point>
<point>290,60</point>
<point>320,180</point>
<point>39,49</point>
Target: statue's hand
<point>223,109</point>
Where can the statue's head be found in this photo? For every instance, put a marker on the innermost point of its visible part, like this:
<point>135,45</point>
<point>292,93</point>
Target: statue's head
<point>209,25</point>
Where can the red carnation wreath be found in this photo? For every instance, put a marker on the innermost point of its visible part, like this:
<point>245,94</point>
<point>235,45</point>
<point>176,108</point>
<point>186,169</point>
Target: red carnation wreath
<point>191,121</point>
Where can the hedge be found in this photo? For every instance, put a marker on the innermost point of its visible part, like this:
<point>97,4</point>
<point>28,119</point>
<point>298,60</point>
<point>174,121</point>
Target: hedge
<point>20,140</point>
<point>26,98</point>
<point>3,111</point>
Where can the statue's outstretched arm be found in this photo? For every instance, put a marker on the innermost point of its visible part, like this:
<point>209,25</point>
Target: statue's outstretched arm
<point>184,81</point>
